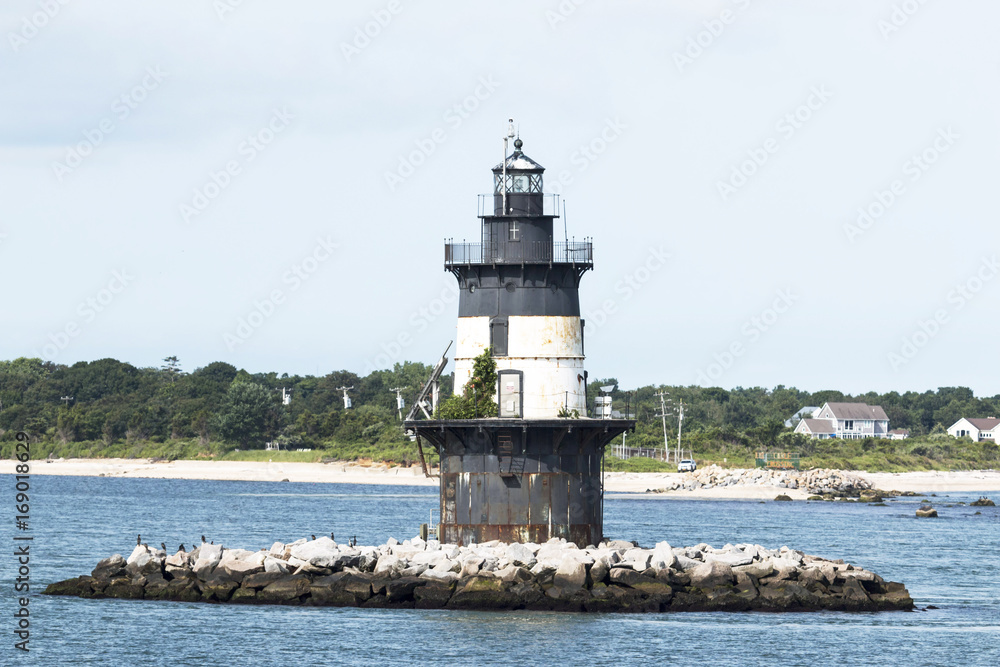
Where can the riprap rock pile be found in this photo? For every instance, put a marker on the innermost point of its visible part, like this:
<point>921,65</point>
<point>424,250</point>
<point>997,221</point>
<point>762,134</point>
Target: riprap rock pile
<point>615,576</point>
<point>818,481</point>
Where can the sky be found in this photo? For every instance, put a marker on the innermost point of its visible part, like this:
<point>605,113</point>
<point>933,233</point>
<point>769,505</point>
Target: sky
<point>779,192</point>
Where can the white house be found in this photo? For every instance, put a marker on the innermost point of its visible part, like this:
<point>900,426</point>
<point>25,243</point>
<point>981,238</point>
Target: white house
<point>850,421</point>
<point>899,434</point>
<point>816,428</point>
<point>977,429</point>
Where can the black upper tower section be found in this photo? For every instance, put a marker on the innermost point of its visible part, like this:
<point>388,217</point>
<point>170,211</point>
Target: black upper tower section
<point>518,268</point>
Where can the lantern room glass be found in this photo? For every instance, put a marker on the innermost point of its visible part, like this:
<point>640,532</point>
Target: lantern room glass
<point>517,183</point>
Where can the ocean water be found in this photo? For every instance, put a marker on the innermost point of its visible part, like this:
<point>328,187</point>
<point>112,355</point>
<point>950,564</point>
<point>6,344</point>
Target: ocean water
<point>952,562</point>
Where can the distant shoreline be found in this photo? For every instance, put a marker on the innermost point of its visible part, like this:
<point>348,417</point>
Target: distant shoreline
<point>966,481</point>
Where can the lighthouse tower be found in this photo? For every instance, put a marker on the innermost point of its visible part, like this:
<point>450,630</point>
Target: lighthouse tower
<point>536,470</point>
<point>520,296</point>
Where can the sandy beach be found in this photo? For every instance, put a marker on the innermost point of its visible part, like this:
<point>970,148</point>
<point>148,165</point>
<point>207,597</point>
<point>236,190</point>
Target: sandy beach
<point>349,473</point>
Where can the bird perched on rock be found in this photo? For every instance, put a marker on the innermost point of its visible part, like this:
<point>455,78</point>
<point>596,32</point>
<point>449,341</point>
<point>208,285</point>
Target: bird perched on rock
<point>331,536</point>
<point>202,539</point>
<point>313,536</point>
<point>138,539</point>
<point>163,545</point>
<point>181,549</point>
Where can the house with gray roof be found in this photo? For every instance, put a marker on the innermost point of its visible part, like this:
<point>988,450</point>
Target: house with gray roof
<point>816,428</point>
<point>850,421</point>
<point>978,429</point>
<point>804,413</point>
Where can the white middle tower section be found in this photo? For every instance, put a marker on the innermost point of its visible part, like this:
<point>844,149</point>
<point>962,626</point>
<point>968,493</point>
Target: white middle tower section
<point>520,297</point>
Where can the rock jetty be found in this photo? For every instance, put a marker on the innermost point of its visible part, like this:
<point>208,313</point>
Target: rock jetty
<point>820,481</point>
<point>615,576</point>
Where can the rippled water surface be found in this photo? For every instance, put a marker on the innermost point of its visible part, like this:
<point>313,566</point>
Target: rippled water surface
<point>952,562</point>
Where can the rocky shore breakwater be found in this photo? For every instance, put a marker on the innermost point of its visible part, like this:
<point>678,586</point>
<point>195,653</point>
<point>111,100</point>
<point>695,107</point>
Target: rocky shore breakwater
<point>818,481</point>
<point>615,576</point>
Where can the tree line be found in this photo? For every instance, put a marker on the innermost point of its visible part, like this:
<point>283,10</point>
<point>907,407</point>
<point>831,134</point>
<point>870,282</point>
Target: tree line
<point>109,401</point>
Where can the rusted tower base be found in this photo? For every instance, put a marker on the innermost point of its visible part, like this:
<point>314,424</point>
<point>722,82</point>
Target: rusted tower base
<point>521,480</point>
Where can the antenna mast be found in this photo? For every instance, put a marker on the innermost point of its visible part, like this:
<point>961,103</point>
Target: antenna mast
<point>503,184</point>
<point>565,230</point>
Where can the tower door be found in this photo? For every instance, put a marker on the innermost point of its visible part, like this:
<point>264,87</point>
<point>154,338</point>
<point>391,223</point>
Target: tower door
<point>510,396</point>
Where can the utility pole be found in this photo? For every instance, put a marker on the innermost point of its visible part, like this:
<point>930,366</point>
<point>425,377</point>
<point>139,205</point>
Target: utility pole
<point>680,424</point>
<point>399,400</point>
<point>66,400</point>
<point>347,399</point>
<point>663,413</point>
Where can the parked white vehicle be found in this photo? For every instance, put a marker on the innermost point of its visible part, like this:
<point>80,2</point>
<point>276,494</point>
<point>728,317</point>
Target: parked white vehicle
<point>687,465</point>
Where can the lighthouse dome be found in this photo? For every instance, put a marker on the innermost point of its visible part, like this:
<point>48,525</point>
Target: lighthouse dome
<point>518,161</point>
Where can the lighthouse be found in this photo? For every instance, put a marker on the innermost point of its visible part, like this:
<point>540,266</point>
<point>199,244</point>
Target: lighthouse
<point>536,470</point>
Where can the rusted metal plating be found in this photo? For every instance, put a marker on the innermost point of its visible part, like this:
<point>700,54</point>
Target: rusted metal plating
<point>521,481</point>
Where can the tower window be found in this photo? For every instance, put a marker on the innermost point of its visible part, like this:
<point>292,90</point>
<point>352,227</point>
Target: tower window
<point>513,231</point>
<point>535,183</point>
<point>498,337</point>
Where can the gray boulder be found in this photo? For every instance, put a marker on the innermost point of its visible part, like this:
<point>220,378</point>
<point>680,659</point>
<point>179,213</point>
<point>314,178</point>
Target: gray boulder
<point>276,565</point>
<point>711,574</point>
<point>321,553</point>
<point>685,563</point>
<point>471,566</point>
<point>209,556</point>
<point>625,576</point>
<point>637,559</point>
<point>236,570</point>
<point>759,569</point>
<point>109,568</point>
<point>413,571</point>
<point>598,571</point>
<point>663,556</point>
<point>571,575</point>
<point>436,575</point>
<point>286,589</point>
<point>140,551</point>
<point>368,559</point>
<point>730,559</point>
<point>518,554</point>
<point>144,562</point>
<point>388,564</point>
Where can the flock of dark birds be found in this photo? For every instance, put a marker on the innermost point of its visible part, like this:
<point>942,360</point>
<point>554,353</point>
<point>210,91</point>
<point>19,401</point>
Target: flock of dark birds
<point>353,542</point>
